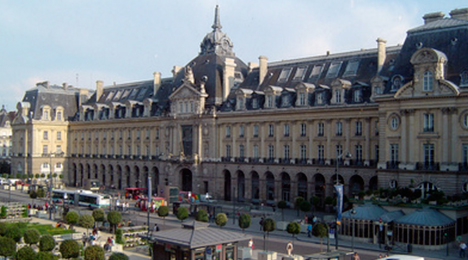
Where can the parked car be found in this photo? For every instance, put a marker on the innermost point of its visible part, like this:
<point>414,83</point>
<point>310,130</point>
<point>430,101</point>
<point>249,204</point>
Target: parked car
<point>3,181</point>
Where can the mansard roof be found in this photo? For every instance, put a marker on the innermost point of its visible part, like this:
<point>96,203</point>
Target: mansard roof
<point>54,96</point>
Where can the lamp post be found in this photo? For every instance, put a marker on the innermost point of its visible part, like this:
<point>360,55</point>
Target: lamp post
<point>51,180</point>
<point>339,195</point>
<point>353,212</point>
<point>234,206</point>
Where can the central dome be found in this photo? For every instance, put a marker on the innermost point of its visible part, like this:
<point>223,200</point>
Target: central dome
<point>216,41</point>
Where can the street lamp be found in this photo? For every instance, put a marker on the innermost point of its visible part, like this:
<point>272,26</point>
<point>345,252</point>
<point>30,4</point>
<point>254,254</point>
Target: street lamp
<point>353,212</point>
<point>51,180</point>
<point>339,196</point>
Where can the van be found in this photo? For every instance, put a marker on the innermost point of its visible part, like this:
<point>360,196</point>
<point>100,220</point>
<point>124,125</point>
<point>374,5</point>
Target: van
<point>3,181</point>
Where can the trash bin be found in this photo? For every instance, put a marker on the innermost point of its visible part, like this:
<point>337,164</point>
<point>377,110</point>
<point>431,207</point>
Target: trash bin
<point>410,248</point>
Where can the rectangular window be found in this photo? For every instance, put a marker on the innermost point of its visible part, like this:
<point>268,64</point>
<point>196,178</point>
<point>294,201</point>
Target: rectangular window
<point>339,151</point>
<point>255,103</point>
<point>269,101</point>
<point>321,152</point>
<point>271,151</point>
<point>320,99</point>
<point>255,131</point>
<point>58,149</point>
<point>303,129</point>
<point>59,116</point>
<point>286,152</point>
<point>429,122</point>
<point>377,153</point>
<point>357,96</point>
<point>358,152</point>
<point>157,134</point>
<point>45,149</point>
<point>334,69</point>
<point>241,131</point>
<point>147,133</point>
<point>271,130</point>
<point>394,153</point>
<point>358,128</point>
<point>376,128</point>
<point>255,151</point>
<point>240,103</point>
<point>228,131</point>
<point>303,152</point>
<point>46,135</point>
<point>241,151</point>
<point>320,128</point>
<point>465,153</point>
<point>428,155</point>
<point>302,99</point>
<point>286,130</point>
<point>339,129</point>
<point>284,75</point>
<point>228,150</point>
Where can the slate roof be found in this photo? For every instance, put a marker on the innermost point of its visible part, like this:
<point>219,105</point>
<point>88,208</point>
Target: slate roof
<point>367,211</point>
<point>196,235</point>
<point>425,217</point>
<point>53,96</point>
<point>391,216</point>
<point>6,116</point>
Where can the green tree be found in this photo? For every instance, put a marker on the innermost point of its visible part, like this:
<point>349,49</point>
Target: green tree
<point>14,232</point>
<point>86,221</point>
<point>202,215</point>
<point>3,228</point>
<point>182,213</point>
<point>40,193</point>
<point>221,219</point>
<point>314,200</point>
<point>31,236</point>
<point>269,225</point>
<point>99,215</point>
<point>293,228</point>
<point>118,256</point>
<point>69,249</point>
<point>33,196</point>
<point>46,255</point>
<point>8,247</point>
<point>3,212</point>
<point>72,217</point>
<point>163,212</point>
<point>46,243</point>
<point>244,221</point>
<point>305,206</point>
<point>26,253</point>
<point>297,202</point>
<point>282,205</point>
<point>320,230</point>
<point>114,218</point>
<point>94,253</point>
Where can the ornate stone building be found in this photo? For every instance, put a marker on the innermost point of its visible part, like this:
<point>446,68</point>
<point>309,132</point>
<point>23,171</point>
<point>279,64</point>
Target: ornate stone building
<point>267,131</point>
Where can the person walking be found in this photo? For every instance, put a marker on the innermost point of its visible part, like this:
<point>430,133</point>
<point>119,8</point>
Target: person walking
<point>251,247</point>
<point>462,249</point>
<point>289,248</point>
<point>356,256</point>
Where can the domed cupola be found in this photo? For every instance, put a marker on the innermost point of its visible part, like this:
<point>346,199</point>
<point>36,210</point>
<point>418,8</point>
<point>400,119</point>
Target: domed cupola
<point>216,41</point>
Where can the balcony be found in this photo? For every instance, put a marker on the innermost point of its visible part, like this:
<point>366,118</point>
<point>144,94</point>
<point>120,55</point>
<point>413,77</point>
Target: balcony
<point>392,165</point>
<point>428,166</point>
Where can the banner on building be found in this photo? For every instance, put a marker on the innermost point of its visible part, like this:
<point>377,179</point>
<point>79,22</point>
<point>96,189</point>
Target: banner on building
<point>339,203</point>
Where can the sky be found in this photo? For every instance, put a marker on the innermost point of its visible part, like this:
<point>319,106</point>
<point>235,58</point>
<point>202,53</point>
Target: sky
<point>82,41</point>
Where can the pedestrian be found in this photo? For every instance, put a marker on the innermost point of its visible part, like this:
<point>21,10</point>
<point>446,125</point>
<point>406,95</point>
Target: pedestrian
<point>251,246</point>
<point>84,239</point>
<point>289,248</point>
<point>356,256</point>
<point>309,230</point>
<point>261,224</point>
<point>462,249</point>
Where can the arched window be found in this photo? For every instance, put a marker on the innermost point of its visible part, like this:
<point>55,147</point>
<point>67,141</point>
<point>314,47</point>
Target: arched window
<point>427,81</point>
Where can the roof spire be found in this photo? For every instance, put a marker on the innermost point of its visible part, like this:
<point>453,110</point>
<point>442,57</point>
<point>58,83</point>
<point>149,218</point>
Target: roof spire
<point>217,22</point>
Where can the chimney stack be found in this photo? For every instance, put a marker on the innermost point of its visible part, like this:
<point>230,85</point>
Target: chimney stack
<point>156,82</point>
<point>381,53</point>
<point>228,82</point>
<point>65,85</point>
<point>99,88</point>
<point>252,65</point>
<point>431,17</point>
<point>461,14</point>
<point>263,69</point>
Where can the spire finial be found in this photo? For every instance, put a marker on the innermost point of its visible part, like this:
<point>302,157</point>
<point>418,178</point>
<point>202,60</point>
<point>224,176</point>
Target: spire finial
<point>217,22</point>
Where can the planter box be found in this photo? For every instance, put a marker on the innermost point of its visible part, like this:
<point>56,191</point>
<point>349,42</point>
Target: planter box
<point>281,225</point>
<point>243,253</point>
<point>267,255</point>
<point>293,257</point>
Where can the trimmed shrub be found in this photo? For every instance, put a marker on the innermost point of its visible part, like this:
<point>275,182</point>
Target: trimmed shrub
<point>14,232</point>
<point>244,221</point>
<point>46,255</point>
<point>72,217</point>
<point>46,243</point>
<point>221,219</point>
<point>8,247</point>
<point>26,253</point>
<point>31,236</point>
<point>118,256</point>
<point>69,249</point>
<point>182,213</point>
<point>202,215</point>
<point>94,253</point>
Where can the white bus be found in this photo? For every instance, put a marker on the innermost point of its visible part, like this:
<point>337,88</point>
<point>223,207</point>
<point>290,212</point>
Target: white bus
<point>64,196</point>
<point>402,257</point>
<point>94,200</point>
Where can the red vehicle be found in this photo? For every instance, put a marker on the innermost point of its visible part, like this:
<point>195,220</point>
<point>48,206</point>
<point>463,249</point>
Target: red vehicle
<point>134,193</point>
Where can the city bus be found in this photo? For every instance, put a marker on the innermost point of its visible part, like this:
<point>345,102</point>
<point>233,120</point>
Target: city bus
<point>94,200</point>
<point>64,196</point>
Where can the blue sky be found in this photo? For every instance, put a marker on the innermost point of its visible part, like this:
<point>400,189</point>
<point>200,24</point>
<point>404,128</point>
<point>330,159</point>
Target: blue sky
<point>81,41</point>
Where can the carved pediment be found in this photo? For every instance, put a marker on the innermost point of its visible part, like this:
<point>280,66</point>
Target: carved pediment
<point>186,91</point>
<point>442,88</point>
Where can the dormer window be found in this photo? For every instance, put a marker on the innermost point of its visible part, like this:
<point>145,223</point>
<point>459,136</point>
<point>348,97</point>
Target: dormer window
<point>240,103</point>
<point>378,90</point>
<point>464,79</point>
<point>284,75</point>
<point>46,114</point>
<point>428,81</point>
<point>320,98</point>
<point>285,101</point>
<point>270,101</point>
<point>334,69</point>
<point>357,96</point>
<point>337,96</point>
<point>351,69</point>
<point>302,99</point>
<point>255,103</point>
<point>316,72</point>
<point>59,115</point>
<point>397,81</point>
